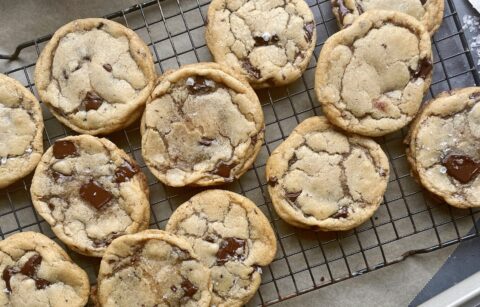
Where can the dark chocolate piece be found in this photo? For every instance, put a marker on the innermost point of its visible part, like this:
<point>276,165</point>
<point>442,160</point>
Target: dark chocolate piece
<point>7,274</point>
<point>461,167</point>
<point>272,181</point>
<point>30,267</point>
<point>266,40</point>
<point>173,288</point>
<point>252,70</point>
<point>342,213</point>
<point>62,149</point>
<point>107,67</point>
<point>91,101</point>
<point>293,195</point>
<point>205,141</point>
<point>200,85</point>
<point>125,172</point>
<point>41,283</point>
<point>189,288</point>
<point>309,27</point>
<point>423,2</point>
<point>230,248</point>
<point>224,169</point>
<point>95,195</point>
<point>425,66</point>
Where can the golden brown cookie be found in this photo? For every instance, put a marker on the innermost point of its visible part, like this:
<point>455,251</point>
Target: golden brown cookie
<point>323,179</point>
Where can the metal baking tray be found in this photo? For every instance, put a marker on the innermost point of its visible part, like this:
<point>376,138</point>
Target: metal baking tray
<point>408,222</point>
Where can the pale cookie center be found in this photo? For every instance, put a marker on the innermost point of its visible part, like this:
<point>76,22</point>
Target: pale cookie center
<point>382,73</point>
<point>199,127</point>
<point>17,131</point>
<point>85,194</point>
<point>264,35</point>
<point>92,70</point>
<point>329,178</point>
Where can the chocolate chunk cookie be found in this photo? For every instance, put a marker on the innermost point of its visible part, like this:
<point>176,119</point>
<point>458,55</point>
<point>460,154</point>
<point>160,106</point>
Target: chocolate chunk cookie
<point>428,12</point>
<point>270,42</point>
<point>443,147</point>
<point>90,192</point>
<point>202,126</point>
<point>95,75</point>
<point>38,272</point>
<point>21,129</point>
<point>322,179</point>
<point>372,76</point>
<point>232,237</point>
<point>152,268</point>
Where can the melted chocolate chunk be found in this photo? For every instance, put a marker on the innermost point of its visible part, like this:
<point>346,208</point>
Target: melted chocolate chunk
<point>62,149</point>
<point>41,283</point>
<point>252,70</point>
<point>7,274</point>
<point>266,39</point>
<point>59,176</point>
<point>230,248</point>
<point>293,195</point>
<point>205,141</point>
<point>200,85</point>
<point>95,195</point>
<point>425,66</point>
<point>309,27</point>
<point>423,2</point>
<point>475,96</point>
<point>342,213</point>
<point>342,9</point>
<point>224,169</point>
<point>292,160</point>
<point>107,67</point>
<point>65,74</point>
<point>30,267</point>
<point>189,288</point>
<point>125,172</point>
<point>100,25</point>
<point>272,181</point>
<point>463,168</point>
<point>173,288</point>
<point>91,101</point>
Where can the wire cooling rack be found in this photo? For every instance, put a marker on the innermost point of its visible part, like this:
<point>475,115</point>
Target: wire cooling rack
<point>408,222</point>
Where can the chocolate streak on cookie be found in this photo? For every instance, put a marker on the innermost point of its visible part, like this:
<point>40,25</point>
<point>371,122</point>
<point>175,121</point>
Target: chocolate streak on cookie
<point>188,288</point>
<point>200,85</point>
<point>230,249</point>
<point>309,27</point>
<point>125,172</point>
<point>29,269</point>
<point>91,102</point>
<point>461,167</point>
<point>252,70</point>
<point>342,213</point>
<point>63,149</point>
<point>265,40</point>
<point>425,66</point>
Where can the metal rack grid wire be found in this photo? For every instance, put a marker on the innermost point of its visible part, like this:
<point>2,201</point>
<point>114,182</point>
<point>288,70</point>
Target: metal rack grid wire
<point>409,221</point>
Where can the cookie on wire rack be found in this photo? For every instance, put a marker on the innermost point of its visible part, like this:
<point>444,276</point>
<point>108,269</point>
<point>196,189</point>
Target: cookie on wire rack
<point>21,130</point>
<point>443,147</point>
<point>232,237</point>
<point>90,192</point>
<point>95,75</point>
<point>37,272</point>
<point>152,268</point>
<point>202,126</point>
<point>323,179</point>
